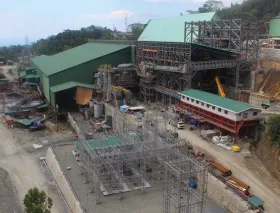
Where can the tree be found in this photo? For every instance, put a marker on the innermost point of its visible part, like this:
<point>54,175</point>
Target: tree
<point>208,6</point>
<point>273,125</point>
<point>36,201</point>
<point>135,30</point>
<point>211,6</point>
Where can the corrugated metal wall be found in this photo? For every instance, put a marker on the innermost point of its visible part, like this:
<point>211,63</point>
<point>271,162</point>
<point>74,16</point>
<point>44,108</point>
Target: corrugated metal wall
<point>274,27</point>
<point>52,98</point>
<point>83,73</point>
<point>46,87</point>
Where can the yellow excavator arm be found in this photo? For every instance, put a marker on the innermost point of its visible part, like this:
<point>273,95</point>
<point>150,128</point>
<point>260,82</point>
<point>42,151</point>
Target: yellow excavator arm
<point>220,87</point>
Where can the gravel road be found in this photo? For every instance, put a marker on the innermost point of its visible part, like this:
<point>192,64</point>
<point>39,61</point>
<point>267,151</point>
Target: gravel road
<point>26,170</point>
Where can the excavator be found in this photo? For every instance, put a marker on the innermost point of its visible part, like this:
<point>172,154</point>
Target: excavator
<point>220,87</point>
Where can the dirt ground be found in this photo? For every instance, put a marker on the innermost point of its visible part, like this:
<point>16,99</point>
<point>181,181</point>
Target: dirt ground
<point>21,160</point>
<point>22,163</point>
<point>10,72</point>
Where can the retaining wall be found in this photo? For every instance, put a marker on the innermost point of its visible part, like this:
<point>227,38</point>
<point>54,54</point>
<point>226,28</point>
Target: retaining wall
<point>73,124</point>
<point>62,182</point>
<point>216,191</point>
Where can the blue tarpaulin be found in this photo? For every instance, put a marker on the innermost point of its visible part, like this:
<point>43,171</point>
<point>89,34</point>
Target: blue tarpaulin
<point>123,108</point>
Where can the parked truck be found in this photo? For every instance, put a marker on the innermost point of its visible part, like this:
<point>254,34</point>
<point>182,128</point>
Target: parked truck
<point>225,171</point>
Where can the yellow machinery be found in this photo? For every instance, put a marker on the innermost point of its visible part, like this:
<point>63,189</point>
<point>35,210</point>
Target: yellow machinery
<point>118,88</point>
<point>235,148</point>
<point>220,87</point>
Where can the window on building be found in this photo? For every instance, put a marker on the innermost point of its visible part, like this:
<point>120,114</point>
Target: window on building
<point>202,104</point>
<point>255,113</point>
<point>183,97</point>
<point>213,107</point>
<point>197,102</point>
<point>192,100</point>
<point>219,109</point>
<point>208,105</point>
<point>188,98</point>
<point>245,115</point>
<point>226,112</point>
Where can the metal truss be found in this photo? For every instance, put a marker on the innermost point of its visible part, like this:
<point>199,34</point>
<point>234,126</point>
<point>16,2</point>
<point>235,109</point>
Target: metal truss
<point>135,158</point>
<point>209,65</point>
<point>235,35</point>
<point>164,54</point>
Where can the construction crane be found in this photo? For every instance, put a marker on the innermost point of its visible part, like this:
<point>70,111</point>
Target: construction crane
<point>220,87</point>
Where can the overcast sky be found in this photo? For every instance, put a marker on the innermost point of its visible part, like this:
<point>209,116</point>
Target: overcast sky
<point>42,18</point>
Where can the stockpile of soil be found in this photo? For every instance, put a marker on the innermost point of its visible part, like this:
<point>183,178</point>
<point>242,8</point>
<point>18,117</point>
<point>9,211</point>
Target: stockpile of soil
<point>269,155</point>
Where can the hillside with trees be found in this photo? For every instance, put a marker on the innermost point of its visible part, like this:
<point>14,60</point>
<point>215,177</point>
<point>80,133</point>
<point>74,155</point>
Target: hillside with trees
<point>252,9</point>
<point>249,9</point>
<point>72,38</point>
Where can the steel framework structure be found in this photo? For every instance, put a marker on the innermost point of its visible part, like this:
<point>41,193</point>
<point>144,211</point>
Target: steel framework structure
<point>235,35</point>
<point>209,45</point>
<point>139,157</point>
<point>168,68</point>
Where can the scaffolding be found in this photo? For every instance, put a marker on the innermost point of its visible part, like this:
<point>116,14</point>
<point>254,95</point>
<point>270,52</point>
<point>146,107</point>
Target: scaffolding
<point>128,159</point>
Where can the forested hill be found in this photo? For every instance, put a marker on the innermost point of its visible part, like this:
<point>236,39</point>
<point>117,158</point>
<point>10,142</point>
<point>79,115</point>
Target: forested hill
<point>252,9</point>
<point>71,38</point>
<point>62,41</point>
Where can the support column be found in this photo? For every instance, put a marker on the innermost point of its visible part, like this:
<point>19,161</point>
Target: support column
<point>188,71</point>
<point>237,71</point>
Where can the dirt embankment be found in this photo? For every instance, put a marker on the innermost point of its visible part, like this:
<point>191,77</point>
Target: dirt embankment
<point>9,201</point>
<point>269,155</point>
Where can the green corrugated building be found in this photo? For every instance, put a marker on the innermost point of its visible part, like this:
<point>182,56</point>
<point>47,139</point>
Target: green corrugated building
<point>274,27</point>
<point>171,29</point>
<point>77,65</point>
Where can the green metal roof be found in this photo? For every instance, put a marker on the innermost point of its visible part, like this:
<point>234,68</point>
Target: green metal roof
<point>274,29</point>
<point>68,85</point>
<point>32,76</point>
<point>218,101</point>
<point>107,142</point>
<point>43,106</point>
<point>31,83</point>
<point>171,29</point>
<point>26,122</point>
<point>29,68</point>
<point>50,65</point>
<point>22,74</point>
